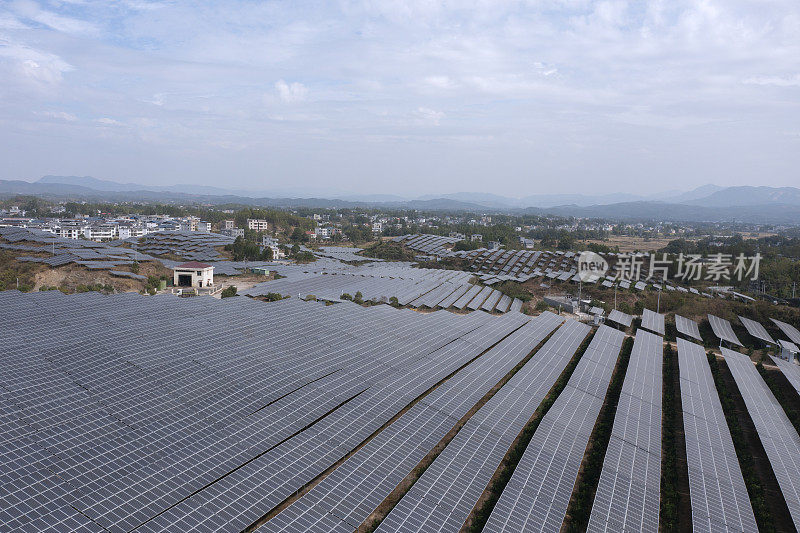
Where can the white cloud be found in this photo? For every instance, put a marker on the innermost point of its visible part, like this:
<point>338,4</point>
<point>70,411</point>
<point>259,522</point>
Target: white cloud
<point>429,116</point>
<point>27,9</point>
<point>36,65</point>
<point>557,84</point>
<point>59,115</point>
<point>105,121</point>
<point>440,82</point>
<point>291,92</point>
<point>778,81</point>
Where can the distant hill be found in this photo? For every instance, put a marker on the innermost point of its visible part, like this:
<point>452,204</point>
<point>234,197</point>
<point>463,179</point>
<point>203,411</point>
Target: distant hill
<point>749,196</point>
<point>710,203</point>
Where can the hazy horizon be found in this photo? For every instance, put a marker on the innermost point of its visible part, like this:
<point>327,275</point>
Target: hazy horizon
<point>413,98</point>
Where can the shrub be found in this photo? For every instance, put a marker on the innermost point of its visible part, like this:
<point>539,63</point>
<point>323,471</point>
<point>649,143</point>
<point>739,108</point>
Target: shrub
<point>228,292</point>
<point>358,298</point>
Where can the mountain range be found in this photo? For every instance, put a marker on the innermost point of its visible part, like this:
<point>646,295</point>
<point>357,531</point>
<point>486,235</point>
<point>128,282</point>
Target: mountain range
<point>711,203</point>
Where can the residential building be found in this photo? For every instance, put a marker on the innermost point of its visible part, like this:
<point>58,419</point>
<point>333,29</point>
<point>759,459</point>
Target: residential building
<point>232,232</point>
<point>228,224</point>
<point>99,233</point>
<point>204,226</point>
<point>71,231</point>
<point>272,244</point>
<point>257,224</point>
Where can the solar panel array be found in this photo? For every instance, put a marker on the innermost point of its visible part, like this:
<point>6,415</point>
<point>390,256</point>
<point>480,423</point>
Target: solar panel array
<point>379,282</point>
<point>428,244</point>
<point>537,496</point>
<point>777,434</point>
<point>718,494</point>
<point>723,330</point>
<point>191,245</point>
<point>653,321</point>
<point>444,496</point>
<point>344,253</point>
<point>104,427</point>
<point>61,251</point>
<point>359,485</point>
<point>756,330</point>
<point>629,492</point>
<point>688,327</point>
<point>621,318</point>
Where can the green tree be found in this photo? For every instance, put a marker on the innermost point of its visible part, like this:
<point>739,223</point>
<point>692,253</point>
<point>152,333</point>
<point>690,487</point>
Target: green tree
<point>228,292</point>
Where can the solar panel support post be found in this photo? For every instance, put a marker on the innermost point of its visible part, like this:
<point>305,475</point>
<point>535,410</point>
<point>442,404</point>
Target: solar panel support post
<point>658,304</point>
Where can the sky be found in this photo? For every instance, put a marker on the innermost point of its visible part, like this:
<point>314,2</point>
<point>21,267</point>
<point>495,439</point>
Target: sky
<point>410,98</point>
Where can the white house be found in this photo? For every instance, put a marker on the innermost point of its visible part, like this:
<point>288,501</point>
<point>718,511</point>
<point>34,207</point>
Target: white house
<point>272,244</point>
<point>71,231</point>
<point>99,233</point>
<point>193,274</point>
<point>257,224</point>
<point>204,226</point>
<point>232,232</point>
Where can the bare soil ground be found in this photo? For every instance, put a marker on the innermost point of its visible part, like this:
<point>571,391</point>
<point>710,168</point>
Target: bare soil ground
<point>72,275</point>
<point>243,282</point>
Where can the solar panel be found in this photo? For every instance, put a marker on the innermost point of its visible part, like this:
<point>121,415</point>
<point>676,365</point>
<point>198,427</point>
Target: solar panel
<point>777,434</point>
<point>621,318</point>
<point>653,321</point>
<point>723,330</point>
<point>716,487</point>
<point>788,330</point>
<point>687,327</point>
<point>628,494</point>
<point>756,330</point>
<point>790,370</point>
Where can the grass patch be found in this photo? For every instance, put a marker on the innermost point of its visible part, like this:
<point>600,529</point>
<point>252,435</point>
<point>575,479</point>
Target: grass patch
<point>672,455</point>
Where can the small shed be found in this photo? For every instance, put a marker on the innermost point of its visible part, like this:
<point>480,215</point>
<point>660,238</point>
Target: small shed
<point>789,350</point>
<point>193,274</point>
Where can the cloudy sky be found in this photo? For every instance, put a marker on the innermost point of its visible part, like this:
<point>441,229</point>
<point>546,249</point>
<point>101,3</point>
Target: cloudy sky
<point>408,97</point>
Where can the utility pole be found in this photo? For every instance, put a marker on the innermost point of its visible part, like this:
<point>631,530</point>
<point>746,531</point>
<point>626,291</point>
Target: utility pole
<point>615,296</point>
<point>658,305</point>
